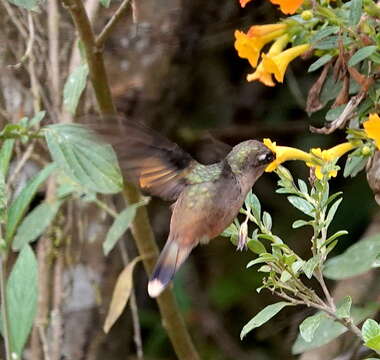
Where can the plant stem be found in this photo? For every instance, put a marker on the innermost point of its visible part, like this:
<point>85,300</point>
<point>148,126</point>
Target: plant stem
<point>142,232</point>
<point>112,23</point>
<point>4,309</point>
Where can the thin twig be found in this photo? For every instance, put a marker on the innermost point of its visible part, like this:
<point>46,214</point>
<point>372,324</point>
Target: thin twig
<point>44,342</point>
<point>12,15</point>
<point>53,32</point>
<point>56,313</point>
<point>25,157</point>
<point>108,28</point>
<point>133,305</point>
<point>321,280</point>
<point>29,46</point>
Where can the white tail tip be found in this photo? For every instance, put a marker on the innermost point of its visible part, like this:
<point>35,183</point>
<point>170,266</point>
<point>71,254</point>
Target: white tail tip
<point>155,288</point>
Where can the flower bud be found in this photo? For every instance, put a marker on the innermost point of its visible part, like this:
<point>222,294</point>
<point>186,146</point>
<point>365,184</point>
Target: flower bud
<point>366,150</point>
<point>307,15</point>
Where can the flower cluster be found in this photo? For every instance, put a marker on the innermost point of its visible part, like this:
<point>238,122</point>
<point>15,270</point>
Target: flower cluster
<point>275,62</point>
<point>317,158</point>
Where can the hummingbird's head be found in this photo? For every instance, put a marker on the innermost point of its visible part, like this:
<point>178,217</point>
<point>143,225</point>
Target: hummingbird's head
<point>248,156</point>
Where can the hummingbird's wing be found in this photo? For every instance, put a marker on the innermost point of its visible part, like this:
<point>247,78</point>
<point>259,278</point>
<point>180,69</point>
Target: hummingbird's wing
<point>147,158</point>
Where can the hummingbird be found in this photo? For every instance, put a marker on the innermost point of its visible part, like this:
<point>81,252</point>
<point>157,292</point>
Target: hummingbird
<point>206,198</point>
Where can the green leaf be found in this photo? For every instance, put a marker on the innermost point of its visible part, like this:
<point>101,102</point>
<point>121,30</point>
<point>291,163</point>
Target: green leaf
<point>321,34</point>
<point>74,86</point>
<point>256,246</point>
<point>344,308</point>
<point>230,231</point>
<point>21,294</point>
<point>331,42</point>
<point>309,326</point>
<point>354,165</point>
<point>310,265</point>
<point>336,235</point>
<point>285,276</point>
<point>332,211</point>
<point>3,200</point>
<point>301,205</point>
<point>35,223</point>
<point>26,4</point>
<point>375,57</point>
<point>253,203</point>
<point>374,343</point>
<point>267,220</point>
<point>328,329</point>
<point>334,113</point>
<point>356,260</point>
<point>35,121</point>
<point>5,155</point>
<point>84,158</point>
<point>362,54</point>
<point>370,329</point>
<point>299,223</point>
<point>262,317</point>
<point>105,3</point>
<point>297,265</point>
<point>263,258</point>
<point>120,226</point>
<point>355,13</point>
<point>303,187</point>
<point>20,205</point>
<point>319,63</point>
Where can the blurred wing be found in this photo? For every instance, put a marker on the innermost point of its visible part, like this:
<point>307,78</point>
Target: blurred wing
<point>147,158</point>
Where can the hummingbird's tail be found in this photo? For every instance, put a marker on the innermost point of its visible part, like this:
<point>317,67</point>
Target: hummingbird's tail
<point>172,256</point>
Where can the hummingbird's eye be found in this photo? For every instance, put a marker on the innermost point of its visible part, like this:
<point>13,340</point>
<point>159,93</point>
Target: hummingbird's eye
<point>266,158</point>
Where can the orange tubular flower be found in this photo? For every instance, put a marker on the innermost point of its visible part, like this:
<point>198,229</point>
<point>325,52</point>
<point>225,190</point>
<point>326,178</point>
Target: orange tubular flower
<point>264,76</point>
<point>372,128</point>
<point>287,6</point>
<point>261,30</point>
<point>278,64</point>
<point>244,2</point>
<point>249,45</point>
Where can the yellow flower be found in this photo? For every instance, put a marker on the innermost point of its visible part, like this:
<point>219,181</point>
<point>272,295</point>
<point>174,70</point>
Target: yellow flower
<point>372,128</point>
<point>261,74</point>
<point>249,45</point>
<point>327,156</point>
<point>277,64</point>
<point>284,153</point>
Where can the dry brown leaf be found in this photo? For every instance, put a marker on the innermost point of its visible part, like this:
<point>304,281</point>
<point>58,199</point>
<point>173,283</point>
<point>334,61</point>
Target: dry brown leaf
<point>313,103</point>
<point>343,96</point>
<point>121,294</point>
